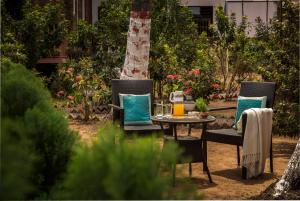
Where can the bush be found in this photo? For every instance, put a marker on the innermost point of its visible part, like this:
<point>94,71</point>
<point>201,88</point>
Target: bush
<point>114,168</point>
<point>16,161</point>
<point>278,60</point>
<point>26,102</point>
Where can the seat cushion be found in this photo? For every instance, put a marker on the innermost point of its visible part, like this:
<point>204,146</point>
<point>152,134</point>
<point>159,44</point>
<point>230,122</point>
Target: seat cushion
<point>226,136</point>
<point>137,109</point>
<point>145,129</point>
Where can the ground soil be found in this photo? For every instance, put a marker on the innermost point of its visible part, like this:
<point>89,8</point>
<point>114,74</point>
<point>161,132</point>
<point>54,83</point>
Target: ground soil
<point>222,162</point>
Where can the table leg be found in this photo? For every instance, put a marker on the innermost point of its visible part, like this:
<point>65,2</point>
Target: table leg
<point>204,147</point>
<point>189,129</point>
<point>175,131</point>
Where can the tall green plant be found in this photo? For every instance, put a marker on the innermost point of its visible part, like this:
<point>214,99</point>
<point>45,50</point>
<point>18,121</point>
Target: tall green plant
<point>45,129</point>
<point>278,58</point>
<point>233,50</point>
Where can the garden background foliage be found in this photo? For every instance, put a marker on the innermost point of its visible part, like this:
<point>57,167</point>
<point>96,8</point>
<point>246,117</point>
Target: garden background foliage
<point>225,56</point>
<point>278,61</point>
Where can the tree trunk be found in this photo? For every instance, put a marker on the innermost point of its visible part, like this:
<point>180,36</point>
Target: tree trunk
<point>138,41</point>
<point>291,176</point>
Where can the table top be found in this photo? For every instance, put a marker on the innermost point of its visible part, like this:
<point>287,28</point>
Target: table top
<point>183,119</point>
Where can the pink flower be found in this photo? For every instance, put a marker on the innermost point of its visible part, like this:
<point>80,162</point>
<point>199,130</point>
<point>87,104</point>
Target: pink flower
<point>70,98</point>
<point>197,72</point>
<point>215,86</point>
<point>172,77</point>
<point>188,90</point>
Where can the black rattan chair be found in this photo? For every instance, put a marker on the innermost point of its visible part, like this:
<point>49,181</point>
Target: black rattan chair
<point>132,87</point>
<point>230,136</point>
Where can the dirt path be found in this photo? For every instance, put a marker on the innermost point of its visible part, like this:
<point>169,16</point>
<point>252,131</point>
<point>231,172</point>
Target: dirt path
<point>223,166</point>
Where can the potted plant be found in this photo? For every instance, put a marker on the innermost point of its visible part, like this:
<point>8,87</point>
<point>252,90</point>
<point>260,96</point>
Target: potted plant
<point>202,107</point>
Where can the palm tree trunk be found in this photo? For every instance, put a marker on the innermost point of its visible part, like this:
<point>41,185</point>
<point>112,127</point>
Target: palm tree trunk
<point>138,42</point>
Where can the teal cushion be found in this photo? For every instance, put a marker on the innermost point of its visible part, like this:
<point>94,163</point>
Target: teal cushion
<point>137,109</point>
<point>245,103</point>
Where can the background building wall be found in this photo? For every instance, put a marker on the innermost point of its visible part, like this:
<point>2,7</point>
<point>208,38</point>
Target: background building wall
<point>250,8</point>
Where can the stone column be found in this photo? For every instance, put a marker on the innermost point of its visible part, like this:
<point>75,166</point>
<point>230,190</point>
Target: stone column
<point>138,42</point>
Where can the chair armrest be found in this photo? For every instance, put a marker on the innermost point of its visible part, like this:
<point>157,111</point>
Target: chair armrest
<point>222,108</point>
<point>121,111</point>
<point>244,122</point>
<point>115,107</point>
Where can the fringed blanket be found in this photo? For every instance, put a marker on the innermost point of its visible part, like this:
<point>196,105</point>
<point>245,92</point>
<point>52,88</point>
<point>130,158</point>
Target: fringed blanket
<point>257,140</point>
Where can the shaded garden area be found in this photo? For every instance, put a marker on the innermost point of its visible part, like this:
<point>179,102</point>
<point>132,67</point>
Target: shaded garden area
<point>56,125</point>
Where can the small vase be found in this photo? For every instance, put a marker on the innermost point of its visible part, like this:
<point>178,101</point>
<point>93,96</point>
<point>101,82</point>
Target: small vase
<point>189,106</point>
<point>204,115</point>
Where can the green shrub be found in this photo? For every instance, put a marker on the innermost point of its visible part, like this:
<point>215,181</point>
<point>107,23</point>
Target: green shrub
<point>16,161</point>
<point>25,101</point>
<point>20,90</point>
<point>115,168</point>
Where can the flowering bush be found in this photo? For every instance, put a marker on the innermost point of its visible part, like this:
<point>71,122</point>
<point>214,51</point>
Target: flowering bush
<point>84,86</point>
<point>194,82</point>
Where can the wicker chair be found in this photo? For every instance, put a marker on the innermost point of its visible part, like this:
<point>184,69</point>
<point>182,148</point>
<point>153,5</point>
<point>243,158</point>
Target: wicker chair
<point>132,87</point>
<point>230,136</point>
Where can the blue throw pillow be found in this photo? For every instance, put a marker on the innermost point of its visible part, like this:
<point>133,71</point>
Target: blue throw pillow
<point>137,108</point>
<point>245,103</point>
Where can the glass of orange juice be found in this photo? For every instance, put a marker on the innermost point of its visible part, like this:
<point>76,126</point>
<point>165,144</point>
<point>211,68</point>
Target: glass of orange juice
<point>178,109</point>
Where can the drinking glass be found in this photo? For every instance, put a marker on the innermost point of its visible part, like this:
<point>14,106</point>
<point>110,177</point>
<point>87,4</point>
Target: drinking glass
<point>167,110</point>
<point>159,112</point>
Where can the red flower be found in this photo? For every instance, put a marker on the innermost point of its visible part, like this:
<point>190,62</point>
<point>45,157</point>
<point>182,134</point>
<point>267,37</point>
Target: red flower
<point>78,78</point>
<point>70,98</point>
<point>172,77</point>
<point>197,72</point>
<point>188,90</point>
<point>215,86</point>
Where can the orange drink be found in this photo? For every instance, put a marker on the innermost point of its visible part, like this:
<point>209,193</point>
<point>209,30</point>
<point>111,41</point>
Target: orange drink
<point>178,109</point>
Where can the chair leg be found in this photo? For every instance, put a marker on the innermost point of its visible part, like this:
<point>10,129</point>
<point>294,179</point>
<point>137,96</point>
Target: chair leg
<point>190,169</point>
<point>244,172</point>
<point>205,155</point>
<point>238,155</point>
<point>271,158</point>
<point>189,129</point>
<point>207,171</point>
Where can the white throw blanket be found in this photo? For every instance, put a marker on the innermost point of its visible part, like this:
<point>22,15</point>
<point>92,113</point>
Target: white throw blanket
<point>257,140</point>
